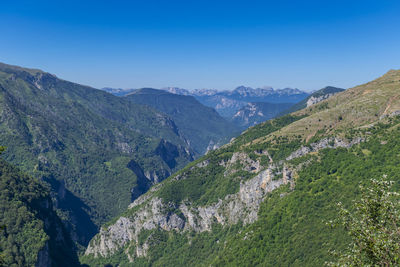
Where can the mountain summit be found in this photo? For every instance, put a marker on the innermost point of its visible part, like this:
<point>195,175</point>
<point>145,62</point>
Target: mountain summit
<point>228,103</point>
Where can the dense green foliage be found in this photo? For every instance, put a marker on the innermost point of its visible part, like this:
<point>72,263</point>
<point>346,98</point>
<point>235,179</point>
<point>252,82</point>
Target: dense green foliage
<point>203,186</point>
<point>201,125</point>
<point>24,235</point>
<point>291,229</point>
<point>93,148</point>
<point>2,227</point>
<point>32,231</point>
<point>374,227</point>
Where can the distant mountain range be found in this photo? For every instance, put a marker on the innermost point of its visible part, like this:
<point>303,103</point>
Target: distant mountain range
<point>228,103</point>
<point>245,106</point>
<point>256,112</point>
<point>238,92</point>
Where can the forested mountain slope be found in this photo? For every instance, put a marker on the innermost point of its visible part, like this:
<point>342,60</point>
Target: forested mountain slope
<point>264,199</point>
<point>97,151</point>
<point>202,126</point>
<point>33,234</point>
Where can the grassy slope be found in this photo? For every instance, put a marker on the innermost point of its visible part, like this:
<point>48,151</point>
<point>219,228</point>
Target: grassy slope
<point>358,106</point>
<point>198,123</point>
<point>81,140</point>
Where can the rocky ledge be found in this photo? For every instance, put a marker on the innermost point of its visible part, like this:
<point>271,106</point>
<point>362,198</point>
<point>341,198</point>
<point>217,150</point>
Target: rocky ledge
<point>150,212</point>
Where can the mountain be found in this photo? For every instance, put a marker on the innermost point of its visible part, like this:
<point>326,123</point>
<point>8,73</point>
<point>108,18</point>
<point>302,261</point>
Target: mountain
<point>177,90</point>
<point>228,103</point>
<point>202,126</point>
<point>117,91</point>
<point>264,199</point>
<point>256,112</point>
<point>34,234</point>
<point>97,151</point>
<point>224,105</point>
<point>314,98</point>
<point>267,94</point>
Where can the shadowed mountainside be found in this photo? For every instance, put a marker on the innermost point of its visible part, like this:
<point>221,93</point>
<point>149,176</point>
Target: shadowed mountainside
<point>202,126</point>
<point>82,141</point>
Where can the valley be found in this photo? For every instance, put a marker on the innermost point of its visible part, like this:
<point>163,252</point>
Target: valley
<point>93,149</point>
<point>154,178</point>
<point>256,199</point>
<point>199,133</point>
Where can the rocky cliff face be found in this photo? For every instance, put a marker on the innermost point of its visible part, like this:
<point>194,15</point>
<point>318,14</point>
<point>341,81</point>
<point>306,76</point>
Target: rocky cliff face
<point>257,112</point>
<point>329,142</point>
<point>314,100</point>
<point>151,212</point>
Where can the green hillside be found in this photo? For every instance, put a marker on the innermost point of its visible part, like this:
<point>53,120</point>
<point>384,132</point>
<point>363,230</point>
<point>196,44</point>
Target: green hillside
<point>32,233</point>
<point>97,151</point>
<point>264,199</point>
<point>201,125</point>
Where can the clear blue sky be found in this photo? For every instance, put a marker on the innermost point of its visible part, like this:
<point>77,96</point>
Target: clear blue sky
<point>204,44</point>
